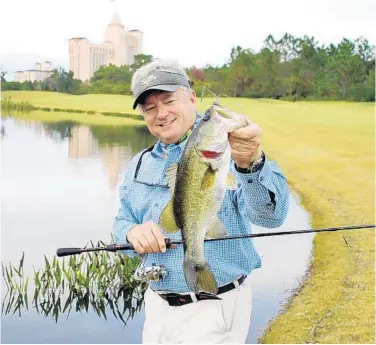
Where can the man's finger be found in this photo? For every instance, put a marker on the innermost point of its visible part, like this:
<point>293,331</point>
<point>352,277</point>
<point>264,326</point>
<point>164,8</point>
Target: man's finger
<point>160,239</point>
<point>138,247</point>
<point>247,147</point>
<point>245,133</point>
<point>154,244</point>
<point>240,133</point>
<point>236,155</point>
<point>236,146</point>
<point>145,244</point>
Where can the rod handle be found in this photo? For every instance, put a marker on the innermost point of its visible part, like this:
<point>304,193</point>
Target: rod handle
<point>123,246</point>
<point>68,251</point>
<point>115,247</point>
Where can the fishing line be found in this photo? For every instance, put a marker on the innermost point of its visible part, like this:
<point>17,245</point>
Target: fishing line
<point>279,268</point>
<point>203,88</point>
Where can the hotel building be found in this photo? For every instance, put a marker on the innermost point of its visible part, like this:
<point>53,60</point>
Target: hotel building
<point>118,48</point>
<point>40,72</point>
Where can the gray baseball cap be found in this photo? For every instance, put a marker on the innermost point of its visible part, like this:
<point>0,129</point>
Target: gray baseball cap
<point>164,75</point>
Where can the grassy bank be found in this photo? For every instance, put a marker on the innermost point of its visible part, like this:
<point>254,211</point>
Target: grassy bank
<point>93,103</point>
<point>79,118</point>
<point>11,106</point>
<point>326,150</point>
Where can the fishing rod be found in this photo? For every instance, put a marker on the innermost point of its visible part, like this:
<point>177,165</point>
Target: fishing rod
<point>128,246</point>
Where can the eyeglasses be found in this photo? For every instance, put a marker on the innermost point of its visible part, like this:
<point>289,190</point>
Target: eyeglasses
<point>135,179</point>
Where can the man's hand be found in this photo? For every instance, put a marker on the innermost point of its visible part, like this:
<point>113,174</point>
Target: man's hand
<point>245,145</point>
<point>147,238</point>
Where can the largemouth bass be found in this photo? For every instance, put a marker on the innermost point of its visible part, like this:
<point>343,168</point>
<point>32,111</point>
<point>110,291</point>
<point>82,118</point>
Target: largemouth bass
<point>198,184</point>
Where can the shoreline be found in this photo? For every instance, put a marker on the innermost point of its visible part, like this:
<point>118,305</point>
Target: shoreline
<point>26,107</point>
<point>294,323</point>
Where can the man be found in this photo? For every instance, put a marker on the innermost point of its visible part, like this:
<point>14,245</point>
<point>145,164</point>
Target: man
<point>173,314</point>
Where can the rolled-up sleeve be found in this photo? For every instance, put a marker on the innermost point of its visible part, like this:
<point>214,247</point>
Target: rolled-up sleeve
<point>263,195</point>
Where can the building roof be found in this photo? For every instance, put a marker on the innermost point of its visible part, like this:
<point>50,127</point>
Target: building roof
<point>34,70</point>
<point>78,38</point>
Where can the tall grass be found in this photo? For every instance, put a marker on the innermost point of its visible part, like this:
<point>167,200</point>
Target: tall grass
<point>8,105</point>
<point>98,281</point>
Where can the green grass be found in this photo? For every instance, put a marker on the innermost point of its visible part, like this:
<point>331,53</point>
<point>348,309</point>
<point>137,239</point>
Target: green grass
<point>20,102</point>
<point>327,152</point>
<point>80,118</point>
<point>97,103</point>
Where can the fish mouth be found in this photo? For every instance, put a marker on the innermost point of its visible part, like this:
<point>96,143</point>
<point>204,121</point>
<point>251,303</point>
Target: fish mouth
<point>211,154</point>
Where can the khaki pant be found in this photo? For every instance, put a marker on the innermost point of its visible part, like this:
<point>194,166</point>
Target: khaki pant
<point>205,322</point>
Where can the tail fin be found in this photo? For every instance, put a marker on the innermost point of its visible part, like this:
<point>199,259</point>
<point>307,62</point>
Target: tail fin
<point>199,277</point>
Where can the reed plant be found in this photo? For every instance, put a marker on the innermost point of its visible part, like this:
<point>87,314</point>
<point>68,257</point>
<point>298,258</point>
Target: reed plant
<point>8,105</point>
<point>96,281</point>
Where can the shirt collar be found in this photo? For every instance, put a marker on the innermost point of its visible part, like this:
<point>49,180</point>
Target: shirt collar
<point>160,148</point>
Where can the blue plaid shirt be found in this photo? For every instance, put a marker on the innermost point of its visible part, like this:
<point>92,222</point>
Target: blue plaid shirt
<point>262,198</point>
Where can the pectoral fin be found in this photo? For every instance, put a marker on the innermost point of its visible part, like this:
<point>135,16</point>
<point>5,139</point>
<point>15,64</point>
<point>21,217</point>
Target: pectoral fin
<point>171,173</point>
<point>167,218</point>
<point>216,230</point>
<point>231,182</point>
<point>208,179</point>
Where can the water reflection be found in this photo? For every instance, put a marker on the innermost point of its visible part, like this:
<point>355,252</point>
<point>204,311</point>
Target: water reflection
<point>58,131</point>
<point>114,145</point>
<point>98,282</point>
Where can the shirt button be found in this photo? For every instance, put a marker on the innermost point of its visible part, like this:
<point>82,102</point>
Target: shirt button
<point>250,181</point>
<point>156,204</point>
<point>262,178</point>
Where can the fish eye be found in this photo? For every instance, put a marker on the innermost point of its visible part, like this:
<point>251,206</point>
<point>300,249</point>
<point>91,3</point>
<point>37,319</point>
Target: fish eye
<point>206,116</point>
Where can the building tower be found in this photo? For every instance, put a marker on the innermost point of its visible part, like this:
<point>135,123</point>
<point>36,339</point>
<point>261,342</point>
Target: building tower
<point>119,48</point>
<point>115,37</point>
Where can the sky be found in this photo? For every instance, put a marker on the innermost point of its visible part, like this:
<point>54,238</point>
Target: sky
<point>195,32</point>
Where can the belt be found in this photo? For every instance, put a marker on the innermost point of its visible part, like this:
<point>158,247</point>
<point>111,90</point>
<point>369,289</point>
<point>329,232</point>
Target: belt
<point>176,300</point>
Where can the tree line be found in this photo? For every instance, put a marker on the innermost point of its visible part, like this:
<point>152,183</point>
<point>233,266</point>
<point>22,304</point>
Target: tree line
<point>290,68</point>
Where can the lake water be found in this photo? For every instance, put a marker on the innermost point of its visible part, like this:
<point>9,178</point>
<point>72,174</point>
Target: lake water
<point>59,189</point>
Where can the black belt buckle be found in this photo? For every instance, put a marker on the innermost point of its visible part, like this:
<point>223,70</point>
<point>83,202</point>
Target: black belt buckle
<point>177,300</point>
<point>173,302</point>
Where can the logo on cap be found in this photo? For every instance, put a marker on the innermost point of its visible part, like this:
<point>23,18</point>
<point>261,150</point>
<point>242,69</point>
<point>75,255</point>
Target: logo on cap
<point>148,80</point>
